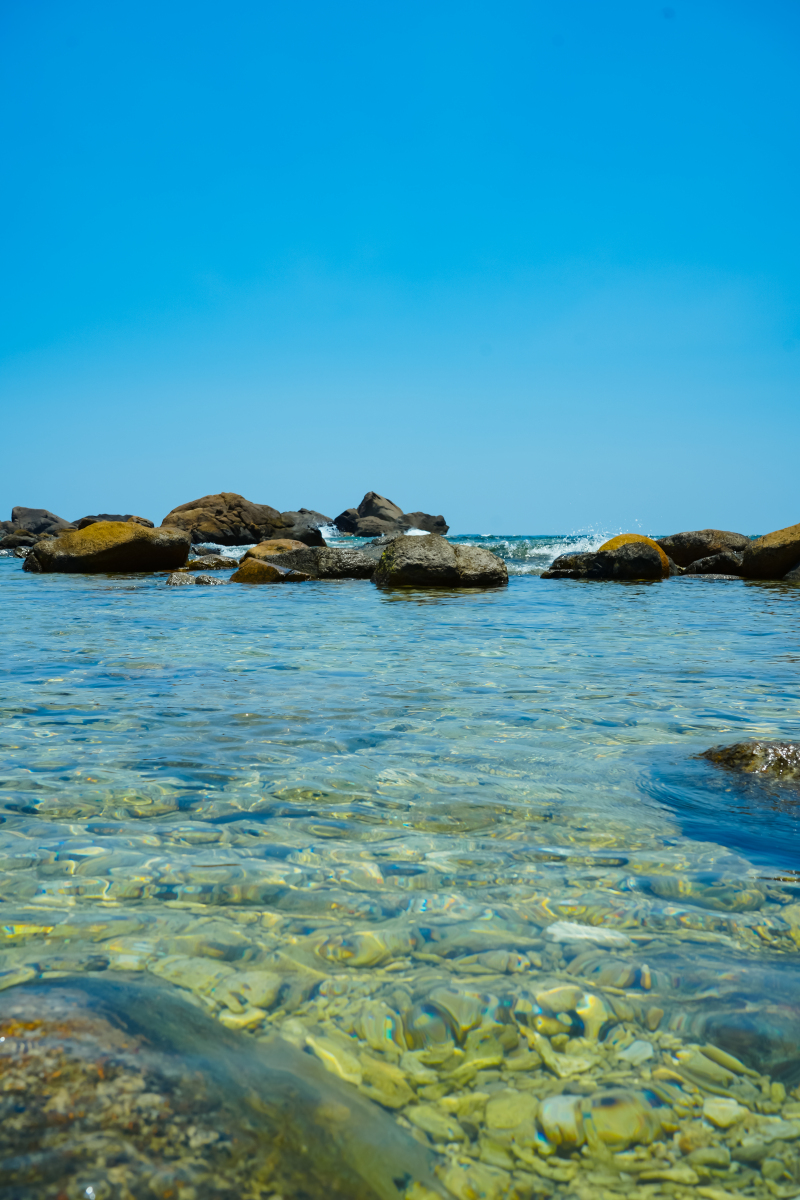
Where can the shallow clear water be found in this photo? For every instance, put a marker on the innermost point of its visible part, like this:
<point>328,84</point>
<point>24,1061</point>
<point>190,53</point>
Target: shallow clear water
<point>373,796</point>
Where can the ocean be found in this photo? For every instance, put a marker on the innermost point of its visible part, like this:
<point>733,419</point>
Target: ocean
<point>454,853</point>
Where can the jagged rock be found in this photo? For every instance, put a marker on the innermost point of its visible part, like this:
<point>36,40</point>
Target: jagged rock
<point>227,519</point>
<point>771,556</point>
<point>631,561</point>
<point>728,563</point>
<point>84,521</point>
<point>253,570</point>
<point>686,548</point>
<point>111,546</point>
<point>432,561</point>
<point>37,520</point>
<point>325,562</point>
<point>376,515</point>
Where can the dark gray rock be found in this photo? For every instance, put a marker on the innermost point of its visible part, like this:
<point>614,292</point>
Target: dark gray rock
<point>686,548</point>
<point>727,563</point>
<point>209,581</point>
<point>432,561</point>
<point>376,516</point>
<point>180,579</point>
<point>327,562</point>
<point>632,561</point>
<point>38,520</point>
<point>210,562</point>
<point>11,540</point>
<point>793,576</point>
<point>228,519</point>
<point>127,517</point>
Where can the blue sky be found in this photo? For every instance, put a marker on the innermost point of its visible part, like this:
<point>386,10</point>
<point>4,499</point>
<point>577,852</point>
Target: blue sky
<point>531,265</point>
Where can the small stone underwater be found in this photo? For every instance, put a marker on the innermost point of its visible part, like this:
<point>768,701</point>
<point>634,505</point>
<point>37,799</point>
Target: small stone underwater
<point>372,893</point>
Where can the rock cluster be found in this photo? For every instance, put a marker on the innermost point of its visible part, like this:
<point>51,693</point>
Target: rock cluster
<point>376,516</point>
<point>625,558</point>
<point>229,520</point>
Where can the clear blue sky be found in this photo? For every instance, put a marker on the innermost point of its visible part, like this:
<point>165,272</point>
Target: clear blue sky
<point>533,265</point>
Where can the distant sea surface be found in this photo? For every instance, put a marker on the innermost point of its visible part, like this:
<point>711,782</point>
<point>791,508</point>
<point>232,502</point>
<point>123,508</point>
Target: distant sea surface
<point>403,806</point>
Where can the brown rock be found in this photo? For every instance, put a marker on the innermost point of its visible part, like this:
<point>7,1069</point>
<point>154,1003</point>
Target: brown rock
<point>773,760</point>
<point>328,562</point>
<point>253,570</point>
<point>111,546</point>
<point>431,561</point>
<point>771,556</point>
<point>269,549</point>
<point>686,548</point>
<point>228,519</point>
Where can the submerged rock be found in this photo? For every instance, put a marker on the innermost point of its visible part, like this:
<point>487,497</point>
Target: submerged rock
<point>253,570</point>
<point>773,555</point>
<point>686,548</point>
<point>432,561</point>
<point>210,562</point>
<point>124,1088</point>
<point>111,546</point>
<point>376,515</point>
<point>771,760</point>
<point>228,519</point>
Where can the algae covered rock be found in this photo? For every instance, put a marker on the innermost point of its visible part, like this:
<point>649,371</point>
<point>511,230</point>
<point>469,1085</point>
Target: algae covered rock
<point>633,539</point>
<point>628,561</point>
<point>773,555</point>
<point>106,546</point>
<point>432,561</point>
<point>253,570</point>
<point>770,760</point>
<point>686,548</point>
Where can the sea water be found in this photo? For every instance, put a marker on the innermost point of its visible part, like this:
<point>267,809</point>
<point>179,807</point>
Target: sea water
<point>466,836</point>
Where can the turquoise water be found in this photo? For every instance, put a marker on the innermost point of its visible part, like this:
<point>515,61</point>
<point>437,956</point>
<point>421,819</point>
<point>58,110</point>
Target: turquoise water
<point>373,795</point>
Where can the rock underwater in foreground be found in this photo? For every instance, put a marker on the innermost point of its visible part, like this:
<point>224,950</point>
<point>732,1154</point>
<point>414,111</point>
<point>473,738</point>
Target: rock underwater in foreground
<point>111,546</point>
<point>771,760</point>
<point>253,570</point>
<point>432,561</point>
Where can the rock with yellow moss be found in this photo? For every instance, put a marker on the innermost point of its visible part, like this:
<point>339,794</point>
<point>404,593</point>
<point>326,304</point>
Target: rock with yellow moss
<point>253,570</point>
<point>635,539</point>
<point>111,546</point>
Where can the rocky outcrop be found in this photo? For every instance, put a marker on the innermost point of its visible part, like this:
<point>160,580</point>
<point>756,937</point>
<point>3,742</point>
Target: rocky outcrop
<point>637,560</point>
<point>227,519</point>
<point>111,546</point>
<point>37,521</point>
<point>686,548</point>
<point>325,562</point>
<point>12,540</point>
<point>728,563</point>
<point>376,515</point>
<point>84,521</point>
<point>432,561</point>
<point>253,570</point>
<point>773,555</point>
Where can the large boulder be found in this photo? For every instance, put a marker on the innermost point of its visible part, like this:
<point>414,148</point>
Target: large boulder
<point>111,546</point>
<point>323,562</point>
<point>274,546</point>
<point>686,548</point>
<point>84,521</point>
<point>432,561</point>
<point>376,516</point>
<point>37,520</point>
<point>227,519</point>
<point>253,570</point>
<point>631,561</point>
<point>629,539</point>
<point>773,555</point>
